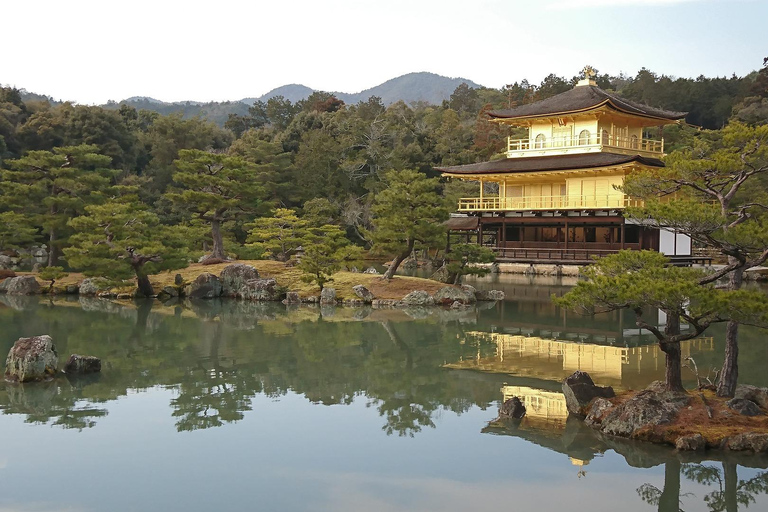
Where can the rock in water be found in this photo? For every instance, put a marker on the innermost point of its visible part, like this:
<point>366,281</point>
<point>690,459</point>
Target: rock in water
<point>328,296</point>
<point>292,298</point>
<point>512,408</point>
<point>597,411</point>
<point>263,289</point>
<point>489,295</point>
<point>579,390</point>
<point>418,298</point>
<point>205,286</point>
<point>364,293</point>
<point>447,295</point>
<point>234,278</point>
<point>89,286</point>
<point>691,443</point>
<point>77,364</point>
<point>22,285</point>
<point>644,410</point>
<point>32,359</point>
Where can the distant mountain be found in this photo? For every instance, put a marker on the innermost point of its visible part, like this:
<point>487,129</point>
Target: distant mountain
<point>292,92</point>
<point>413,87</point>
<point>423,86</point>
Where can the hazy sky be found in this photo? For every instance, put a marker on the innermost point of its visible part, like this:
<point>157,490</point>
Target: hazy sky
<point>91,51</point>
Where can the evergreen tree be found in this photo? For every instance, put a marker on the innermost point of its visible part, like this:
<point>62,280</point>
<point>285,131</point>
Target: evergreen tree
<point>118,240</point>
<point>215,188</point>
<point>408,212</point>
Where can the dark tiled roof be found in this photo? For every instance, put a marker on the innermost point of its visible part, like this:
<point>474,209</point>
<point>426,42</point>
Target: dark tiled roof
<point>581,98</point>
<point>550,163</point>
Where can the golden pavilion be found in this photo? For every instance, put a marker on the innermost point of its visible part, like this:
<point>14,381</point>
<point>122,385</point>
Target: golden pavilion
<point>556,195</point>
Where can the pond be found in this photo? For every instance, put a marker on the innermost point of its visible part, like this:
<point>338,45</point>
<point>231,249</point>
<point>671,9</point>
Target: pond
<point>243,406</point>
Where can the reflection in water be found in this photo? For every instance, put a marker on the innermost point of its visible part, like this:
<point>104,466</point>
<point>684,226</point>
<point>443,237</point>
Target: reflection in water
<point>554,359</point>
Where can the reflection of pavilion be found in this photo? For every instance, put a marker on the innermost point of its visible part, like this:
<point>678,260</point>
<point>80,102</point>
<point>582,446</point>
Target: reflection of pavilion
<point>541,406</point>
<point>554,359</point>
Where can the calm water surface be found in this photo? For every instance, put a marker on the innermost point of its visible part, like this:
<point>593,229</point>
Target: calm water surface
<point>239,406</point>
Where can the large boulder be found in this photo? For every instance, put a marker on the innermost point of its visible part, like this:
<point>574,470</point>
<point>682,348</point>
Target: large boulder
<point>749,441</point>
<point>205,286</point>
<point>263,289</point>
<point>364,293</point>
<point>489,295</point>
<point>418,298</point>
<point>580,390</point>
<point>292,298</point>
<point>690,443</point>
<point>744,407</point>
<point>753,394</point>
<point>512,408</point>
<point>328,296</point>
<point>32,359</point>
<point>234,278</point>
<point>597,411</point>
<point>6,262</point>
<point>77,364</point>
<point>441,275</point>
<point>22,285</point>
<point>645,410</point>
<point>447,295</point>
<point>89,286</point>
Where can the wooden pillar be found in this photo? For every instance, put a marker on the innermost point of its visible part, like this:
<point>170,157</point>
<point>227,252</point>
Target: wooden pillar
<point>503,237</point>
<point>623,234</point>
<point>481,192</point>
<point>566,234</point>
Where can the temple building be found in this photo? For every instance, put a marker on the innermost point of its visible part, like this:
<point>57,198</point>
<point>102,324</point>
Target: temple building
<point>555,194</point>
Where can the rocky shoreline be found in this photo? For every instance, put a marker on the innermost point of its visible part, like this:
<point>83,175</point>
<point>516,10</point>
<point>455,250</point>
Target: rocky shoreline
<point>694,421</point>
<point>241,281</point>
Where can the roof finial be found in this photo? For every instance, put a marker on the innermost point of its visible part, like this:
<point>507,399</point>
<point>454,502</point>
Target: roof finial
<point>589,75</point>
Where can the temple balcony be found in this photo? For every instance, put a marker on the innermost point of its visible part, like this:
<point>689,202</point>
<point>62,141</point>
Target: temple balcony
<point>540,203</point>
<point>548,146</point>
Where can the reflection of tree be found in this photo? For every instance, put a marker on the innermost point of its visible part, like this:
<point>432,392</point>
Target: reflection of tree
<point>668,498</point>
<point>215,366</point>
<point>403,415</point>
<point>213,395</point>
<point>730,492</point>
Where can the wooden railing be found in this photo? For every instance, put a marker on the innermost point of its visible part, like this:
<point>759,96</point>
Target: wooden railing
<point>613,201</point>
<point>593,141</point>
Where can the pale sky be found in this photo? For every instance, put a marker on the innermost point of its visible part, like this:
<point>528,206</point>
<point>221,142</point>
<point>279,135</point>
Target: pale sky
<point>90,51</point>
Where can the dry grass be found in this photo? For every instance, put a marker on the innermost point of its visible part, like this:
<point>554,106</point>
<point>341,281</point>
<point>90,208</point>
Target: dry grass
<point>694,419</point>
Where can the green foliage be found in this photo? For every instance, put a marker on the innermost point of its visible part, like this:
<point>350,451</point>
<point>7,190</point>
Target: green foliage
<point>326,249</point>
<point>637,280</point>
<point>118,240</point>
<point>214,188</point>
<point>16,230</point>
<point>47,188</point>
<point>408,214</point>
<point>279,236</point>
<point>461,258</point>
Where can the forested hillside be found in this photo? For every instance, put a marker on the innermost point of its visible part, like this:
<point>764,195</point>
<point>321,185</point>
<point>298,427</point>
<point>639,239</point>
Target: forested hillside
<point>321,157</point>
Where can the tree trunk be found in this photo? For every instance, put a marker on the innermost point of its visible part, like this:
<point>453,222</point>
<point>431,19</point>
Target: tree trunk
<point>674,368</point>
<point>218,241</point>
<point>52,257</point>
<point>674,364</point>
<point>731,478</point>
<point>390,273</point>
<point>670,495</point>
<point>729,375</point>
<point>145,287</point>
